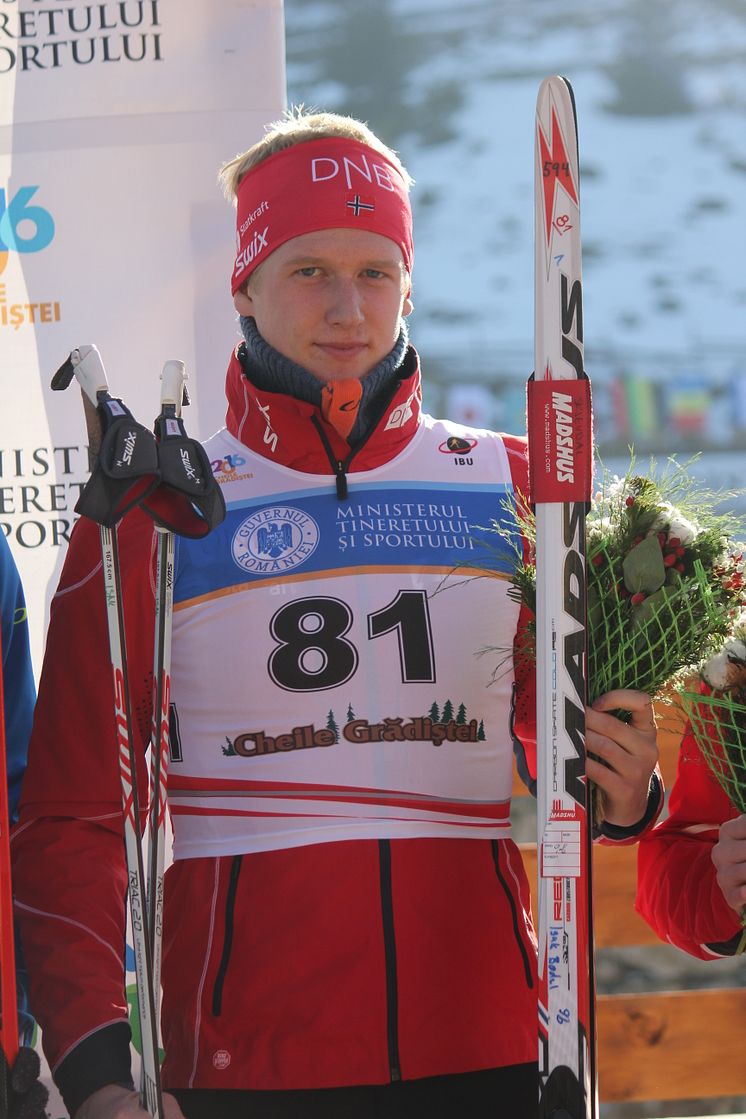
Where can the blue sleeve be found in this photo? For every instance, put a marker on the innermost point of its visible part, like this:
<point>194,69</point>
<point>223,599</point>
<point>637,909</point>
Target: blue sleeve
<point>18,678</point>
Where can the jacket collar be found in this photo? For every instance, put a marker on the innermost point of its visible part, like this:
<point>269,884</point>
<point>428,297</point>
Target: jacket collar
<point>288,431</point>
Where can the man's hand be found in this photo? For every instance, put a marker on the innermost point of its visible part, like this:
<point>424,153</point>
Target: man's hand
<point>629,751</point>
<point>729,857</point>
<point>115,1102</point>
<point>27,1096</point>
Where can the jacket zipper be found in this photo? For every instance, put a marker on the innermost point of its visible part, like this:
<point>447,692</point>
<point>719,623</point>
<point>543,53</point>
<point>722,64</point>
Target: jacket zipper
<point>389,946</point>
<point>339,466</point>
<point>513,913</point>
<point>230,905</point>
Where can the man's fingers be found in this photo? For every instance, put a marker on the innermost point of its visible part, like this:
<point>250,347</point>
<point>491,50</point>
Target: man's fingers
<point>729,859</point>
<point>639,705</point>
<point>734,829</point>
<point>633,740</point>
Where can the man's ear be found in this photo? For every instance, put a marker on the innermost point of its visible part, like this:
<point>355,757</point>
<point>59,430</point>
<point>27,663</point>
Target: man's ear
<point>243,303</point>
<point>407,307</point>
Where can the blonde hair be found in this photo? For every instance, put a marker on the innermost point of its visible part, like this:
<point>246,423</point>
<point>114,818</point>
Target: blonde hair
<point>298,126</point>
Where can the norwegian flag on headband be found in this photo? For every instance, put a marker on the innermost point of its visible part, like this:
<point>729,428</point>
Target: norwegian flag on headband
<point>332,183</point>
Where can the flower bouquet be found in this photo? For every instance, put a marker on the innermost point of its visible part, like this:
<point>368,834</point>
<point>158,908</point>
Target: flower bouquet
<point>664,580</point>
<point>716,708</point>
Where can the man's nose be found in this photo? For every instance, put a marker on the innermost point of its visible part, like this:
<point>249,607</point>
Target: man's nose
<point>346,304</point>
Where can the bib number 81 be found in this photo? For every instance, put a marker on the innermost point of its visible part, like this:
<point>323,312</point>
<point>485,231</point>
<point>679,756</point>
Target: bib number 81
<point>314,654</point>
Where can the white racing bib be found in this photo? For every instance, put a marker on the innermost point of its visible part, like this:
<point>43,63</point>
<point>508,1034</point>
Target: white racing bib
<point>334,662</point>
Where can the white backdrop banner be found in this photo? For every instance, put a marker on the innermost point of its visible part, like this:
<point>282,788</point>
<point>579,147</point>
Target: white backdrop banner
<point>114,118</point>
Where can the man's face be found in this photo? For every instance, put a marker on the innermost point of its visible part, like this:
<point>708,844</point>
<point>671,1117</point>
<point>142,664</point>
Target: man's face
<point>331,300</point>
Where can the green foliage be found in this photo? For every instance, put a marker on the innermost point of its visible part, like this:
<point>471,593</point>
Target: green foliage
<point>660,587</point>
<point>718,724</point>
<point>716,708</point>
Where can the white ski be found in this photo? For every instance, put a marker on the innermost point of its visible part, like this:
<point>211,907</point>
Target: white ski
<point>560,458</point>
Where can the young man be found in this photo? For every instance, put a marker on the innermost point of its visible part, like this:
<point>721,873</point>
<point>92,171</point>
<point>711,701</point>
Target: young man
<point>692,868</point>
<point>348,925</point>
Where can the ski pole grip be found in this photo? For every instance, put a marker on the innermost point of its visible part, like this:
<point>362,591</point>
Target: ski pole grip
<point>85,365</point>
<point>173,389</point>
<point>90,372</point>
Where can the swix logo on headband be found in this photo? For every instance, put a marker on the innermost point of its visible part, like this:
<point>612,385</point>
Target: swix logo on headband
<point>252,250</point>
<point>331,183</point>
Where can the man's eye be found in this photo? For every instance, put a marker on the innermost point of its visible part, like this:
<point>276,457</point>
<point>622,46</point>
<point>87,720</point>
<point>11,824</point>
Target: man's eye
<point>311,270</point>
<point>374,273</point>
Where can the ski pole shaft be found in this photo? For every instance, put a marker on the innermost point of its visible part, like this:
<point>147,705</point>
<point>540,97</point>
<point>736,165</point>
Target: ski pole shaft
<point>87,367</point>
<point>150,1089</point>
<point>172,394</point>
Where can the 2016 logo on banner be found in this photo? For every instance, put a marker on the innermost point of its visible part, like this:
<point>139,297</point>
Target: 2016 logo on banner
<point>25,227</point>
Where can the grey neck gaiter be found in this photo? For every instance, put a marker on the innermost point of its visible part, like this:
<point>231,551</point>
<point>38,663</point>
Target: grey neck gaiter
<point>271,371</point>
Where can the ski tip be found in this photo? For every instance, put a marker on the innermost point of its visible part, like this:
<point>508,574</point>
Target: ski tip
<point>555,80</point>
<point>557,91</point>
<point>558,86</point>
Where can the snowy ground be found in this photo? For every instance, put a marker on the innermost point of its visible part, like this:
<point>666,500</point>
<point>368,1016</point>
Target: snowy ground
<point>661,101</point>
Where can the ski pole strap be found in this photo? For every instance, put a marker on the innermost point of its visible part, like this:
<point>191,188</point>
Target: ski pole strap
<point>126,466</point>
<point>188,500</point>
<point>560,444</point>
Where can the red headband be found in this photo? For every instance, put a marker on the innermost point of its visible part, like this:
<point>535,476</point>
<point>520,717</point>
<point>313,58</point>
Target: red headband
<point>330,183</point>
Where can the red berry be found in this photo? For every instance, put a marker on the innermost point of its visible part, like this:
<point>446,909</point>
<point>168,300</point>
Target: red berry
<point>680,551</point>
<point>661,538</point>
<point>637,598</point>
<point>598,559</point>
<point>674,542</point>
<point>670,559</point>
<point>680,567</point>
<point>629,501</point>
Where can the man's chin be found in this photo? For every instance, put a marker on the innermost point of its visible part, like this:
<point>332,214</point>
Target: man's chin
<point>336,371</point>
<point>331,365</point>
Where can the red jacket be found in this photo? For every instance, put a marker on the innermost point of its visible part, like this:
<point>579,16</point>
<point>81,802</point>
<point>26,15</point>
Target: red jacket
<point>343,963</point>
<point>677,891</point>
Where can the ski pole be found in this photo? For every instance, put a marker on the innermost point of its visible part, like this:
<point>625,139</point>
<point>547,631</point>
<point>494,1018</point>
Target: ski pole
<point>8,994</point>
<point>560,465</point>
<point>173,394</point>
<point>126,469</point>
<point>187,502</point>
